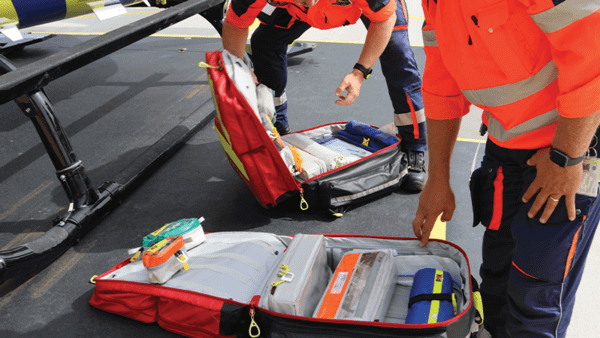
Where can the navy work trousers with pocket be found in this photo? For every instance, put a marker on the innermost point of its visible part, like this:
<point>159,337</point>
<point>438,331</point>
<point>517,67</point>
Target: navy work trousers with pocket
<point>530,271</point>
<point>269,56</point>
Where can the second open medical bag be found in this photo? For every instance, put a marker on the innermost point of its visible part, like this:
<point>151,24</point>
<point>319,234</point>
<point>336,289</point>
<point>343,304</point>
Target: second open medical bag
<point>321,167</point>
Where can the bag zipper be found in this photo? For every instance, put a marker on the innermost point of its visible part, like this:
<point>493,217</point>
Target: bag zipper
<point>253,325</point>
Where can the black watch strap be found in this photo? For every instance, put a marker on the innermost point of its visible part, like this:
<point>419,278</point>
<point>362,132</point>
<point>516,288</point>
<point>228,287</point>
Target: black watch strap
<point>562,160</point>
<point>366,71</point>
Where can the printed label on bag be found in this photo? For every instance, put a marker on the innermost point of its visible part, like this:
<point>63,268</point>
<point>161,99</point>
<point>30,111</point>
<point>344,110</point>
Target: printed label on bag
<point>589,180</point>
<point>338,285</point>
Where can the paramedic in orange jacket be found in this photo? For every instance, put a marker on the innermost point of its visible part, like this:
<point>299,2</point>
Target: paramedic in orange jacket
<point>283,21</point>
<point>533,66</point>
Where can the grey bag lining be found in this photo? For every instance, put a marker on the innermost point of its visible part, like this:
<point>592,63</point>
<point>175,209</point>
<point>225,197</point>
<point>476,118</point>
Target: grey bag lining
<point>241,258</point>
<point>224,270</point>
<point>228,276</point>
<point>225,249</point>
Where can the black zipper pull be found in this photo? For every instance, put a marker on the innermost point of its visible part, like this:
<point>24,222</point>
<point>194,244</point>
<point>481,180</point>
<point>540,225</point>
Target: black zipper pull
<point>470,41</point>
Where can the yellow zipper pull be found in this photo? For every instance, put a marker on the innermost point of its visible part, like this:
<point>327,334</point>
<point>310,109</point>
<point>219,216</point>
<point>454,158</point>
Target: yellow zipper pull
<point>253,325</point>
<point>203,64</point>
<point>303,203</point>
<point>183,259</point>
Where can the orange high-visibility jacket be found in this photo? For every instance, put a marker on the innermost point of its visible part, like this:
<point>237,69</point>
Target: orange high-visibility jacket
<point>524,62</point>
<point>325,14</point>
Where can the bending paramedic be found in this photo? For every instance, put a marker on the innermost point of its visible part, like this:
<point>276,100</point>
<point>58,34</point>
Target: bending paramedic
<point>283,21</point>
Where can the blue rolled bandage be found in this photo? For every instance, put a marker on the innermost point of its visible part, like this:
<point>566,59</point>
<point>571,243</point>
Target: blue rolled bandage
<point>358,141</point>
<point>430,297</point>
<point>377,136</point>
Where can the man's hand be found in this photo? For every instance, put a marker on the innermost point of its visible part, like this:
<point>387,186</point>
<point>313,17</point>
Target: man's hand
<point>550,184</point>
<point>436,198</point>
<point>350,83</point>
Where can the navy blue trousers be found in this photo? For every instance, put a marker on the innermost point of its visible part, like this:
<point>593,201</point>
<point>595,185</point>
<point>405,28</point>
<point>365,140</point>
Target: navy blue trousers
<point>269,56</point>
<point>530,271</point>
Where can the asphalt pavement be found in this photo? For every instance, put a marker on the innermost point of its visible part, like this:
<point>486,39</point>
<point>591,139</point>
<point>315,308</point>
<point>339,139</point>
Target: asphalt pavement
<point>121,105</point>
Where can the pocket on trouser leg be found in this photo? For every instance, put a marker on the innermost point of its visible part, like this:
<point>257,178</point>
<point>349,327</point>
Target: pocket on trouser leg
<point>475,189</point>
<point>546,251</point>
<point>486,187</point>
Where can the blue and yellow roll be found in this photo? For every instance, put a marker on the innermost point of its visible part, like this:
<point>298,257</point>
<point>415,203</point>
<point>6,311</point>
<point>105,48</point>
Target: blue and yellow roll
<point>430,297</point>
<point>29,13</point>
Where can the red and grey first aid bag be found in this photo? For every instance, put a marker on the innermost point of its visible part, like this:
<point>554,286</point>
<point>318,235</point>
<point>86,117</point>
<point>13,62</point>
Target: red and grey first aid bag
<point>327,167</point>
<point>255,284</point>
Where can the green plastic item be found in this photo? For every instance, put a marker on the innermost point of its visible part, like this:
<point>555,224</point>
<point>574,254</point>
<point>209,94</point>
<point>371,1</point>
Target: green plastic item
<point>178,228</point>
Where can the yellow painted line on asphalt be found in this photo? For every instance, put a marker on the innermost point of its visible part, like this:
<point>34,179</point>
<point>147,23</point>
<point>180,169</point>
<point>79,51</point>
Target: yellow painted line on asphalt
<point>21,238</point>
<point>26,199</point>
<point>472,140</point>
<point>7,298</point>
<point>67,33</point>
<point>254,25</point>
<point>346,42</point>
<point>213,37</point>
<point>60,268</point>
<point>439,229</point>
<point>94,15</point>
<point>159,35</point>
<point>186,36</point>
<point>195,91</point>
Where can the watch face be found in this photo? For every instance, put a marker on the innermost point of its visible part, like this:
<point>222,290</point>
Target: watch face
<point>563,160</point>
<point>558,158</point>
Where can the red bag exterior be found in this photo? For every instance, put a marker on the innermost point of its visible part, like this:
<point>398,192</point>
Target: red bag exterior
<point>248,147</point>
<point>187,313</point>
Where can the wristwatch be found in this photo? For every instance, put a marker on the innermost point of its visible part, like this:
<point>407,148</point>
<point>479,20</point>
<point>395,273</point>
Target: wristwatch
<point>562,160</point>
<point>366,71</point>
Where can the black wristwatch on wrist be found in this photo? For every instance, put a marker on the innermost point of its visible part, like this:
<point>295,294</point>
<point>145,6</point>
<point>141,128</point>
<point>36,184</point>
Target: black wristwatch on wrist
<point>562,160</point>
<point>366,71</point>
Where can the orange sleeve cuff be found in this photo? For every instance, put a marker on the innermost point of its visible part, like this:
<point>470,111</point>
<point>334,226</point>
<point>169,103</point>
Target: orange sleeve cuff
<point>239,22</point>
<point>580,102</point>
<point>381,15</point>
<point>445,108</point>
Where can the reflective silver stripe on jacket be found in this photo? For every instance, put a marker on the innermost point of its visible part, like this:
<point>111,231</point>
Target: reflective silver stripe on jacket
<point>429,38</point>
<point>405,119</point>
<point>564,14</point>
<point>498,131</point>
<point>513,92</point>
<point>280,100</point>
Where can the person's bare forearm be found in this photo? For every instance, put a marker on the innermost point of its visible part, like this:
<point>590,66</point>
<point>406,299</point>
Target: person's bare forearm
<point>234,39</point>
<point>441,138</point>
<point>378,37</point>
<point>437,197</point>
<point>573,135</point>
